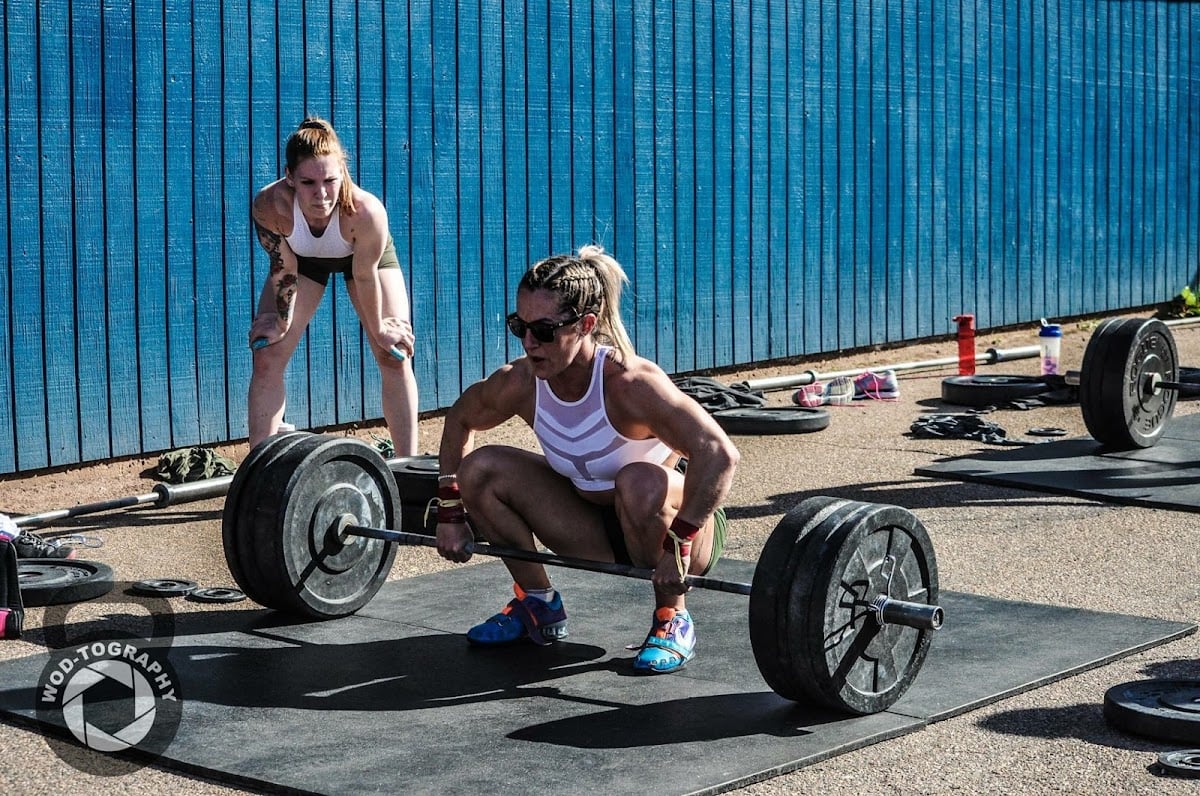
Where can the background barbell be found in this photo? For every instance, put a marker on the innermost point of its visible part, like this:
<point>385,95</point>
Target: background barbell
<point>1128,382</point>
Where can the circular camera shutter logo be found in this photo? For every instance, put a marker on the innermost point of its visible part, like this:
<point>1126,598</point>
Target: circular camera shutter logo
<point>99,674</point>
<point>118,697</point>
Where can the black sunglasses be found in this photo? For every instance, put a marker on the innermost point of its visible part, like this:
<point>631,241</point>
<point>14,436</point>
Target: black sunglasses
<point>542,331</point>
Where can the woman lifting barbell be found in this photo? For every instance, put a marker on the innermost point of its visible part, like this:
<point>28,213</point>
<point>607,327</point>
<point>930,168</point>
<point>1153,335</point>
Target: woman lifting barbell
<point>312,223</point>
<point>612,426</point>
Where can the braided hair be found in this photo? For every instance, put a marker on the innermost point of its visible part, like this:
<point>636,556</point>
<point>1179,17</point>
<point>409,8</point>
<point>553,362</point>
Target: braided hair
<point>590,281</point>
<point>315,138</point>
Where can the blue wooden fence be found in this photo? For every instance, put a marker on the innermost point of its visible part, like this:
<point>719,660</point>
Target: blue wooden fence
<point>779,178</point>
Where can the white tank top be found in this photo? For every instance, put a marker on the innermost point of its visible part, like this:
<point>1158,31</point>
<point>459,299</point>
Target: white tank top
<point>330,245</point>
<point>578,440</point>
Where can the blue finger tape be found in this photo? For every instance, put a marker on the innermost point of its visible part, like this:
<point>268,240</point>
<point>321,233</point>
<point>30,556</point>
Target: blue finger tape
<point>260,342</point>
<point>397,353</point>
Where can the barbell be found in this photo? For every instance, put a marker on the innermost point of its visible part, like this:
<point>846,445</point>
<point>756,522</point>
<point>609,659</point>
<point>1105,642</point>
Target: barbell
<point>842,605</point>
<point>1128,382</point>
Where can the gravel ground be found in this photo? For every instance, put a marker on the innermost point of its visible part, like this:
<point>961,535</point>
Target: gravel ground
<point>989,541</point>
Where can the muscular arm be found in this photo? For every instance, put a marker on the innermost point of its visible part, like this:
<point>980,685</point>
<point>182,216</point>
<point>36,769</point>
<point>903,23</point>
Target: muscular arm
<point>485,404</point>
<point>279,291</point>
<point>506,393</point>
<point>646,402</point>
<point>369,235</point>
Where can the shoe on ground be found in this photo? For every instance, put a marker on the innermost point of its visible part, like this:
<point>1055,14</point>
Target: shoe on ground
<point>810,395</point>
<point>880,386</point>
<point>840,391</point>
<point>525,617</point>
<point>30,545</point>
<point>671,643</point>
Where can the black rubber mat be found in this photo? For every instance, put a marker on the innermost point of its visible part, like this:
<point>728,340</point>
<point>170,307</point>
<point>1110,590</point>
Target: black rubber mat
<point>1166,476</point>
<point>393,700</point>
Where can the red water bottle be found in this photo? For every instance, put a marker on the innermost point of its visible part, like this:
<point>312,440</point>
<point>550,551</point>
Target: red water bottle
<point>966,344</point>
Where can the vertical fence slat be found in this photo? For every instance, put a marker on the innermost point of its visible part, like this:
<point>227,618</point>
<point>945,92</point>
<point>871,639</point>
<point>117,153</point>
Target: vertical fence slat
<point>57,267</point>
<point>494,298</point>
<point>424,283</point>
<point>559,124</point>
<point>468,261</point>
<point>684,255</point>
<point>859,248</point>
<point>353,93</point>
<point>8,447</point>
<point>180,251</point>
<point>759,230</point>
<point>445,193</point>
<point>516,163</point>
<point>119,280</point>
<point>237,189</point>
<point>150,242</point>
<point>722,159</point>
<point>208,220</point>
<point>665,178</point>
<point>24,250</point>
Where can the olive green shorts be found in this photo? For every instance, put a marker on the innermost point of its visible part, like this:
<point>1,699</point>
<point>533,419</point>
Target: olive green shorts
<point>318,269</point>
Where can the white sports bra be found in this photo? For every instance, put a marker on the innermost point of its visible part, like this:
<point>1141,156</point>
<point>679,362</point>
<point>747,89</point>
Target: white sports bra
<point>578,439</point>
<point>330,245</point>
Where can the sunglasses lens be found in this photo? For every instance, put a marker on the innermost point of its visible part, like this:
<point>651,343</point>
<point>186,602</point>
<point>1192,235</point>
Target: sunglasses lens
<point>542,331</point>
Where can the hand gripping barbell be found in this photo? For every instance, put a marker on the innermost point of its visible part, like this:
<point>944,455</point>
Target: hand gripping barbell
<point>1128,382</point>
<point>842,605</point>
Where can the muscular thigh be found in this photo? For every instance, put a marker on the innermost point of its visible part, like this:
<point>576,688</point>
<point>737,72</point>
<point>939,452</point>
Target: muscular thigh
<point>546,502</point>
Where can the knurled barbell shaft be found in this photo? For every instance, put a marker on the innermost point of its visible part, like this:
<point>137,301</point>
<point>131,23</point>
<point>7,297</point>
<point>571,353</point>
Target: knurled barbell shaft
<point>901,612</point>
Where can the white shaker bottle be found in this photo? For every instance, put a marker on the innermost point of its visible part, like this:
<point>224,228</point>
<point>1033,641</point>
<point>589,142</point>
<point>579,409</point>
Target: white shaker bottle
<point>1050,342</point>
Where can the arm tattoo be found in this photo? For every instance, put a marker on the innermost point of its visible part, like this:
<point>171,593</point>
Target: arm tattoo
<point>269,240</point>
<point>283,297</point>
<point>285,289</point>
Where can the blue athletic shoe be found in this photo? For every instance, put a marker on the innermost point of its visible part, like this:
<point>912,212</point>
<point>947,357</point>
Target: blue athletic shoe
<point>671,643</point>
<point>541,622</point>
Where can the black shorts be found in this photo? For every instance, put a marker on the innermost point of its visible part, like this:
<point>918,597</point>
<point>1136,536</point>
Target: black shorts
<point>616,538</point>
<point>318,269</point>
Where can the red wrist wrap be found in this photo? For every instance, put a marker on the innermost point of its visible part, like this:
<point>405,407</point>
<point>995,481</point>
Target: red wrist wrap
<point>684,530</point>
<point>450,506</point>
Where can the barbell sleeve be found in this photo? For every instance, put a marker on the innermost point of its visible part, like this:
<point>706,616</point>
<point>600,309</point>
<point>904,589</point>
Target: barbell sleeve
<point>169,494</point>
<point>87,508</point>
<point>884,609</point>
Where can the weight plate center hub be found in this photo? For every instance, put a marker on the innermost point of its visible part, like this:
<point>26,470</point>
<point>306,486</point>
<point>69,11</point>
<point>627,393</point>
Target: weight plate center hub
<point>334,551</point>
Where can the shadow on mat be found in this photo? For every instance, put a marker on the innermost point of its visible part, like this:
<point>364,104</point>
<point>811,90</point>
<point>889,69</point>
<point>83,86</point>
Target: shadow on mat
<point>688,720</point>
<point>280,662</point>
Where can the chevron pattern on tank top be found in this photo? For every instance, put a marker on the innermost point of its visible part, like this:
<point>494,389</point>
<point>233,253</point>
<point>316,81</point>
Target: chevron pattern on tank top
<point>578,439</point>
